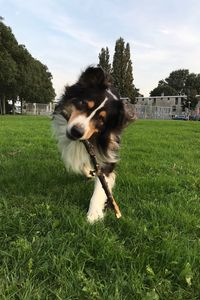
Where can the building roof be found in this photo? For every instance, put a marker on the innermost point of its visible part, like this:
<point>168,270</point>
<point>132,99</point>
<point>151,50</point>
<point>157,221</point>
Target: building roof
<point>176,96</point>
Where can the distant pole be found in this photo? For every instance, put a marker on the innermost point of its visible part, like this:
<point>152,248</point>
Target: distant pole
<point>189,102</point>
<point>35,109</point>
<point>3,105</point>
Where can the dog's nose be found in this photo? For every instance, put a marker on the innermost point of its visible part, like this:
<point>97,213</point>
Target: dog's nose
<point>76,132</point>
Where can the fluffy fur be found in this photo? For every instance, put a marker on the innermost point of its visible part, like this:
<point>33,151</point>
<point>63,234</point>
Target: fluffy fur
<point>91,109</point>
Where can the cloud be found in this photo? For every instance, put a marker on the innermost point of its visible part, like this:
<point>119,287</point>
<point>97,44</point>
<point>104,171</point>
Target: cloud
<point>140,44</point>
<point>71,28</point>
<point>182,36</point>
<point>59,20</point>
<point>164,31</point>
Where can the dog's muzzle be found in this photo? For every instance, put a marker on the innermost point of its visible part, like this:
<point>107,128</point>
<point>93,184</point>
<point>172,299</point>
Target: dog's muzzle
<point>75,133</point>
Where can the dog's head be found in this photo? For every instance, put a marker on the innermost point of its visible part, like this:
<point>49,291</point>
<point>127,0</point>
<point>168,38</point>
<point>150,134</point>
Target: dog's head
<point>92,106</point>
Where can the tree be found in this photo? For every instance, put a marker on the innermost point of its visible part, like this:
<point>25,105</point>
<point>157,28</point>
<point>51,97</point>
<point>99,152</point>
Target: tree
<point>22,77</point>
<point>24,60</point>
<point>104,60</point>
<point>119,66</point>
<point>180,82</point>
<point>192,88</point>
<point>41,88</point>
<point>177,80</point>
<point>129,88</point>
<point>8,66</point>
<point>122,70</point>
<point>163,88</point>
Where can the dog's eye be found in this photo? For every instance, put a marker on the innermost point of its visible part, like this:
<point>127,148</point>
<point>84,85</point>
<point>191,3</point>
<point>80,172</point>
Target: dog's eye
<point>80,103</point>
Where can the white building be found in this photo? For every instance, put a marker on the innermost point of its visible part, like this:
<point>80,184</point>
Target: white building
<point>160,107</point>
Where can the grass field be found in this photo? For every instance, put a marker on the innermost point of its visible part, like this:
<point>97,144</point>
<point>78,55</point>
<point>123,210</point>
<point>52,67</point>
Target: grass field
<point>49,251</point>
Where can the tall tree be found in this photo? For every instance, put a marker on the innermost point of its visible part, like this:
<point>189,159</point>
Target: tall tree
<point>119,66</point>
<point>104,60</point>
<point>122,71</point>
<point>129,87</point>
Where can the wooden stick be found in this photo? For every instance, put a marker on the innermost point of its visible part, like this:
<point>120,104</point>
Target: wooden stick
<point>90,149</point>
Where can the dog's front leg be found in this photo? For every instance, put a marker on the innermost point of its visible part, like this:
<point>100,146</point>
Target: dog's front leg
<point>98,200</point>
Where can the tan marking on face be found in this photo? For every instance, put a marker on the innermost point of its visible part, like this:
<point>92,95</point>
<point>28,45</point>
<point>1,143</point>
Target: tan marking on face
<point>90,103</point>
<point>90,131</point>
<point>102,114</point>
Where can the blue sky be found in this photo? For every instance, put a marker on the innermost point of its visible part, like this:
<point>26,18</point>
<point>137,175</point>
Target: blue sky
<point>67,35</point>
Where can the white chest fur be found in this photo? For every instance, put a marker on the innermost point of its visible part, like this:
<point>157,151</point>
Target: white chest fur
<point>73,153</point>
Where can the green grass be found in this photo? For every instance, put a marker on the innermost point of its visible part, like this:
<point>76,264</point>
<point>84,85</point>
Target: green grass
<point>49,251</point>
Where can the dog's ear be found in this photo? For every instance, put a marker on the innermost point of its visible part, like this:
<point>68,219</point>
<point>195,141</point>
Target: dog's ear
<point>94,77</point>
<point>121,114</point>
<point>129,112</point>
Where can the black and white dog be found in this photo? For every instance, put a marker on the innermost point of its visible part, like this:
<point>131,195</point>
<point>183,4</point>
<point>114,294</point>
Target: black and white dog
<point>91,109</point>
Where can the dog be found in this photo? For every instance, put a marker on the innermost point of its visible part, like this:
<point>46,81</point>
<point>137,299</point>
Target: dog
<point>91,109</point>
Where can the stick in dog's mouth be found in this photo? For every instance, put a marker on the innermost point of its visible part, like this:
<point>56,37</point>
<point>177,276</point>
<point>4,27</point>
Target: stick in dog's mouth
<point>101,176</point>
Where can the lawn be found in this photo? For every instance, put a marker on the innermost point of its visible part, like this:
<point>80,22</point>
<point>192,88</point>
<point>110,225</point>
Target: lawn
<point>49,251</point>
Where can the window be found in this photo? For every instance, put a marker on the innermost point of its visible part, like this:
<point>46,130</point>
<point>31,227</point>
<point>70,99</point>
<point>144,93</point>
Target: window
<point>176,101</point>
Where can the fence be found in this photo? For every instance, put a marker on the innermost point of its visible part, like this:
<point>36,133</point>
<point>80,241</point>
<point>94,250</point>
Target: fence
<point>38,108</point>
<point>155,112</point>
<point>142,111</point>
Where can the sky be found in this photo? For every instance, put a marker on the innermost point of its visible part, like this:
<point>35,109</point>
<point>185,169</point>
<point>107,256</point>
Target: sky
<point>67,35</point>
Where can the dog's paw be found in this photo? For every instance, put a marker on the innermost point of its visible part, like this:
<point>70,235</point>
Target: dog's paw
<point>94,216</point>
<point>88,172</point>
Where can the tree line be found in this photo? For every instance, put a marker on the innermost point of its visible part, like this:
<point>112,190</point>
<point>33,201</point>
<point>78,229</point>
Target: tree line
<point>120,69</point>
<point>22,77</point>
